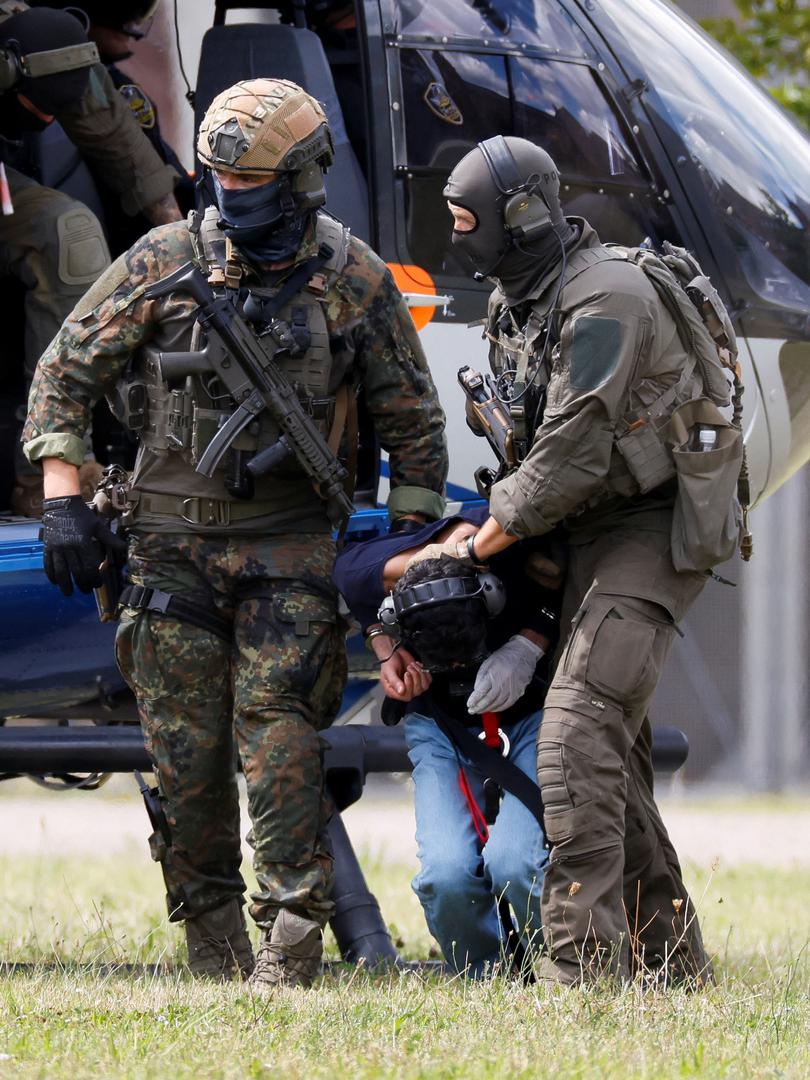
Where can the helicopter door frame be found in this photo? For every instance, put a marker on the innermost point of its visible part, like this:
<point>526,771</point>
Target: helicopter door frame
<point>379,127</point>
<point>666,148</point>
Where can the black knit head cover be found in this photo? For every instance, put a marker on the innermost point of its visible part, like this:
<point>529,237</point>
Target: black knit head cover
<point>42,30</point>
<point>490,247</point>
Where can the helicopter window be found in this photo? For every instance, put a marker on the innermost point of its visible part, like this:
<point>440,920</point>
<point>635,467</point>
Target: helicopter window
<point>492,22</point>
<point>562,107</point>
<point>452,100</point>
<point>438,130</point>
<point>752,160</point>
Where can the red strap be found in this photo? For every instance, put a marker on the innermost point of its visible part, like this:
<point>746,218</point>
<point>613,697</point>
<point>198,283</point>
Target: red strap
<point>478,819</point>
<point>491,736</point>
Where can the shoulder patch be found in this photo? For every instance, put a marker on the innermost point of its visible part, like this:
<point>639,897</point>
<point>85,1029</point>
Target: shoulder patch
<point>113,277</point>
<point>595,348</point>
<point>140,104</point>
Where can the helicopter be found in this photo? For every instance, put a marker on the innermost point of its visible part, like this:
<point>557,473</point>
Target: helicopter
<point>657,134</point>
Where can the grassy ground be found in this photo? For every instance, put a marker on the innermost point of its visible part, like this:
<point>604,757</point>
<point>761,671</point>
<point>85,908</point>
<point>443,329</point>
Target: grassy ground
<point>62,1014</point>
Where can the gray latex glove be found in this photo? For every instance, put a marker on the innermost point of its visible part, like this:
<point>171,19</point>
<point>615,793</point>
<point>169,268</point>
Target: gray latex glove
<point>504,676</point>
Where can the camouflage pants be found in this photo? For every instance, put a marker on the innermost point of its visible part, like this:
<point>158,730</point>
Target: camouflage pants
<point>264,696</point>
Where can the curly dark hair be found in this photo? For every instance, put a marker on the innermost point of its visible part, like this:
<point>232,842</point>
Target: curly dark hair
<point>445,635</point>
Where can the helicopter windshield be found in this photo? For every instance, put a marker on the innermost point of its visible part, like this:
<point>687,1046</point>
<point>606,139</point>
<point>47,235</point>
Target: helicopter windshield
<point>753,162</point>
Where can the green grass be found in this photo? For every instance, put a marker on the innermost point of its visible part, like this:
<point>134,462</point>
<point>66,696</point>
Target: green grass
<point>70,1013</point>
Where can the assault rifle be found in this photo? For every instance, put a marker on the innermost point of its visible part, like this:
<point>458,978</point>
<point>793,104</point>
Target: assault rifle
<point>493,421</point>
<point>246,366</point>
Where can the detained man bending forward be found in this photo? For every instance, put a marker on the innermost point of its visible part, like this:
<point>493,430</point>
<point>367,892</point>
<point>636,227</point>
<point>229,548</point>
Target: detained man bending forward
<point>451,656</point>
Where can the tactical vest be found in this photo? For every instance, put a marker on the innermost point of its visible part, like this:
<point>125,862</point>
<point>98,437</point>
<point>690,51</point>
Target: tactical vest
<point>183,420</point>
<point>706,336</point>
<point>652,441</point>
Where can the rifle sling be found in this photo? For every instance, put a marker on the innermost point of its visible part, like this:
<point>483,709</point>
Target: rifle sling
<point>296,282</point>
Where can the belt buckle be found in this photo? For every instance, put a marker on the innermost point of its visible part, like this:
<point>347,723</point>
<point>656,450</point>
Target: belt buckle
<point>217,511</point>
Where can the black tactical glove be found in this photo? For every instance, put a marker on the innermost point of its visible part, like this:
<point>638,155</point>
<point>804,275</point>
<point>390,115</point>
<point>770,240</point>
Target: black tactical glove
<point>76,543</point>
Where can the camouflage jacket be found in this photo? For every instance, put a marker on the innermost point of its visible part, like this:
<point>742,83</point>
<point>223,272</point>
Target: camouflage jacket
<point>366,317</point>
<point>616,348</point>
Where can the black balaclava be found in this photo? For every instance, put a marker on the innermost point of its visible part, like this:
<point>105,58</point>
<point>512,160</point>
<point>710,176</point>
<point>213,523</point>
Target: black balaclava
<point>258,223</point>
<point>41,30</point>
<point>517,264</point>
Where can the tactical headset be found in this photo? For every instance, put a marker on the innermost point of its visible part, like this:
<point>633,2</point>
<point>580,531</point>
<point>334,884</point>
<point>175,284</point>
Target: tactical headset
<point>526,215</point>
<point>439,591</point>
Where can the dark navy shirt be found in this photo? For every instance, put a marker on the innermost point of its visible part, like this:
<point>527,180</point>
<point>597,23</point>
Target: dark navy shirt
<point>358,574</point>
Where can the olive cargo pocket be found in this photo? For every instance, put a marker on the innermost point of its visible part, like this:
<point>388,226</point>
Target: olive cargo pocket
<point>620,655</point>
<point>609,649</point>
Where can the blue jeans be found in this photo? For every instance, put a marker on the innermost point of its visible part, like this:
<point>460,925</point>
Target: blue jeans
<point>460,881</point>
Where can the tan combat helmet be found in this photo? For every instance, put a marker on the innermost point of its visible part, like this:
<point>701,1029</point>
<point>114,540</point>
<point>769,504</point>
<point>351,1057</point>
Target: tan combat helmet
<point>269,126</point>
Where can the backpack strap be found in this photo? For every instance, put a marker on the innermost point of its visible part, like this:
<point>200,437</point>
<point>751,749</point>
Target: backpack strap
<point>695,337</point>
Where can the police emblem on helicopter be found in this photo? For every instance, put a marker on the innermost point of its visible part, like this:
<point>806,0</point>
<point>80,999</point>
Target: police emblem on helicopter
<point>441,104</point>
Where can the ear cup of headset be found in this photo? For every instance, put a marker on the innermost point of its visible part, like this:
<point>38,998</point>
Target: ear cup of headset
<point>493,593</point>
<point>527,217</point>
<point>387,614</point>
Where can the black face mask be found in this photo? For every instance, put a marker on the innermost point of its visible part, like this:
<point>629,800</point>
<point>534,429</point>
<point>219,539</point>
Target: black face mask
<point>255,220</point>
<point>16,120</point>
<point>490,248</point>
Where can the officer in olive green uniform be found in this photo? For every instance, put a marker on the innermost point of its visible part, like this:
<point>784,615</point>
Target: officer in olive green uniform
<point>580,332</point>
<point>50,243</point>
<point>233,628</point>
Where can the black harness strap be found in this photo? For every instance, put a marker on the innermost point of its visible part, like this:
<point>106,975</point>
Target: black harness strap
<point>271,306</point>
<point>143,598</point>
<point>491,763</point>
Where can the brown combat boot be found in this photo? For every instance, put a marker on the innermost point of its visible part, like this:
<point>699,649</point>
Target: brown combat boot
<point>289,954</point>
<point>218,943</point>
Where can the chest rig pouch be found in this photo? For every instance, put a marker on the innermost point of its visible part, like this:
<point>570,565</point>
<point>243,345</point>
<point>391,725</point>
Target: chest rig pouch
<point>521,360</point>
<point>290,315</point>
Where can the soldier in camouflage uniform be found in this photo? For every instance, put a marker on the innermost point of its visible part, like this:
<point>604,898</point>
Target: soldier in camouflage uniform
<point>263,659</point>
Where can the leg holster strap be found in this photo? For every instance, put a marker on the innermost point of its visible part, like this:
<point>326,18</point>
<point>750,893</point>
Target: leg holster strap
<point>142,598</point>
